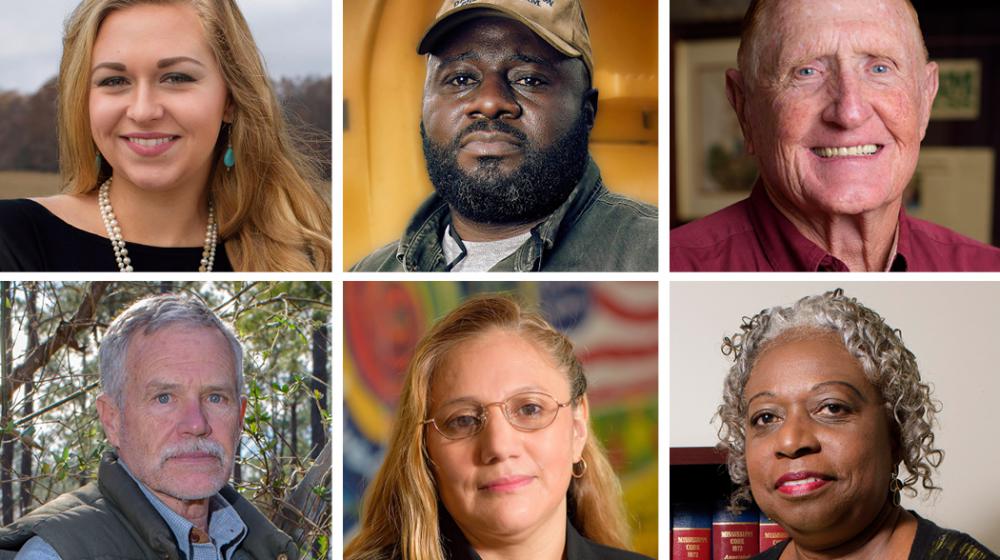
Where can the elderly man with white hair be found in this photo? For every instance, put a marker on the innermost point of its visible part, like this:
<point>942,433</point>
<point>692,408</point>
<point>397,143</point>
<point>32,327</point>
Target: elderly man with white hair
<point>834,99</point>
<point>172,407</point>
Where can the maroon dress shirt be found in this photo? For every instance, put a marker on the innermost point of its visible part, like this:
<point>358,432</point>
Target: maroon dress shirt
<point>753,236</point>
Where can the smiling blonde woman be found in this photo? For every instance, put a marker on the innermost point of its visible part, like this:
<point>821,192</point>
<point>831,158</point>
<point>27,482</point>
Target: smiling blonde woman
<point>173,150</point>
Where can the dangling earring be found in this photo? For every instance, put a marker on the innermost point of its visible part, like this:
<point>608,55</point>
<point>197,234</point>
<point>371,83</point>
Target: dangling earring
<point>229,160</point>
<point>583,468</point>
<point>895,485</point>
<point>98,162</point>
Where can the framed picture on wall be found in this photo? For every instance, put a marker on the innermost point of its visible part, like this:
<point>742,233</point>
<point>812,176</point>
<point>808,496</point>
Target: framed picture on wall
<point>931,194</point>
<point>713,168</point>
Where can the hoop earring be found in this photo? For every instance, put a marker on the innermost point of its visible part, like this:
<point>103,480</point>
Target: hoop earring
<point>895,485</point>
<point>583,469</point>
<point>229,160</point>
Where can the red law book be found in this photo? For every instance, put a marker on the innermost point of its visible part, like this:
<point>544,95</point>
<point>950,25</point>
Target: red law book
<point>735,536</point>
<point>690,532</point>
<point>770,532</point>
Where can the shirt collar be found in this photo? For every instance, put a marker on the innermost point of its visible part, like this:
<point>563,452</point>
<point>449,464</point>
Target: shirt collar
<point>225,527</point>
<point>786,249</point>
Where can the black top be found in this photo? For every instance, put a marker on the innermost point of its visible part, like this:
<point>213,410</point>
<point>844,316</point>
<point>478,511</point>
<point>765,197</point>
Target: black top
<point>457,546</point>
<point>32,239</point>
<point>930,543</point>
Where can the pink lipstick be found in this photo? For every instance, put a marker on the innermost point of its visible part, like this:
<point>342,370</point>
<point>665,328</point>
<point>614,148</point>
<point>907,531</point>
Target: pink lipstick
<point>507,484</point>
<point>801,483</point>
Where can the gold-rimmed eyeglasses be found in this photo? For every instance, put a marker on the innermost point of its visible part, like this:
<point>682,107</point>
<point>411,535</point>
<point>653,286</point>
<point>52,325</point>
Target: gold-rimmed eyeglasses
<point>527,412</point>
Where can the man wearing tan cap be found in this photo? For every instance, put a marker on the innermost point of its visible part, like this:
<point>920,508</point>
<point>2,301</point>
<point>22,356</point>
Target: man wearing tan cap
<point>507,111</point>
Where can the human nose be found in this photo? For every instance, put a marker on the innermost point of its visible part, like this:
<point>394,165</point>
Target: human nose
<point>145,104</point>
<point>498,439</point>
<point>494,99</point>
<point>193,420</point>
<point>849,105</point>
<point>796,437</point>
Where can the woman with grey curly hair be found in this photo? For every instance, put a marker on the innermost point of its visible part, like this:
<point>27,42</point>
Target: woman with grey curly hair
<point>821,406</point>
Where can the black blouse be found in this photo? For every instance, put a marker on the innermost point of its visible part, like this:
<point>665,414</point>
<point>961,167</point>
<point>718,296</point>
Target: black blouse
<point>577,547</point>
<point>32,239</point>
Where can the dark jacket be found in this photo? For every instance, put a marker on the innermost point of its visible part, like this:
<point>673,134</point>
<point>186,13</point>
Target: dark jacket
<point>595,230</point>
<point>112,519</point>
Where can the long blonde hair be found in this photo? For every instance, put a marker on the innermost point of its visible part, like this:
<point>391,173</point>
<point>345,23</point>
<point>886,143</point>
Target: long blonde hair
<point>272,213</point>
<point>399,516</point>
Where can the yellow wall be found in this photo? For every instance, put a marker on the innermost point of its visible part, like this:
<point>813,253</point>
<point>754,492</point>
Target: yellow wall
<point>384,175</point>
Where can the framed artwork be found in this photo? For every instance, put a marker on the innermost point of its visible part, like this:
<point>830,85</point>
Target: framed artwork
<point>954,187</point>
<point>960,83</point>
<point>713,168</point>
<point>699,11</point>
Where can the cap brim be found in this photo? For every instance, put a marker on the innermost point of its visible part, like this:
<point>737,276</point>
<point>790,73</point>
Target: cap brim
<point>463,14</point>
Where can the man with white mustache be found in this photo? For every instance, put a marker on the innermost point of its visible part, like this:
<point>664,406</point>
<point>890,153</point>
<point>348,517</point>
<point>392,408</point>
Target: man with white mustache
<point>172,406</point>
<point>833,99</point>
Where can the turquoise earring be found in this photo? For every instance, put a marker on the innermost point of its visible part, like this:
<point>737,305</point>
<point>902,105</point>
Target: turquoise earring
<point>97,162</point>
<point>229,159</point>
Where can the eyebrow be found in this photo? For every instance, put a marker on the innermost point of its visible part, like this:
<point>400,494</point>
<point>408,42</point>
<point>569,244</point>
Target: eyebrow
<point>167,62</point>
<point>519,57</point>
<point>527,58</point>
<point>760,394</point>
<point>854,389</point>
<point>467,55</point>
<point>518,391</point>
<point>159,386</point>
<point>162,63</point>
<point>814,388</point>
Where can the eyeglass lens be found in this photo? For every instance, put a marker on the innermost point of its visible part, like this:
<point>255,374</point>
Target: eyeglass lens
<point>525,411</point>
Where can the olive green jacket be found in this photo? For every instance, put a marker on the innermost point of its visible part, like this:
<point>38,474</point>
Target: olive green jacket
<point>112,520</point>
<point>595,230</point>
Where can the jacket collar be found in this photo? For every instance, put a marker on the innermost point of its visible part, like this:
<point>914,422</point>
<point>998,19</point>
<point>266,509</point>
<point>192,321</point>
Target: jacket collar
<point>121,490</point>
<point>420,247</point>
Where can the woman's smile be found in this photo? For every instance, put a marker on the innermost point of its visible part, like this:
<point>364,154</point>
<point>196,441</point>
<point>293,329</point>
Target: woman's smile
<point>507,484</point>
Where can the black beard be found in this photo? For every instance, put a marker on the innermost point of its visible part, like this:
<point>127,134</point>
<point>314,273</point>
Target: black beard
<point>531,192</point>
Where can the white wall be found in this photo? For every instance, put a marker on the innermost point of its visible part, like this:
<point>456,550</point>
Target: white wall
<point>953,328</point>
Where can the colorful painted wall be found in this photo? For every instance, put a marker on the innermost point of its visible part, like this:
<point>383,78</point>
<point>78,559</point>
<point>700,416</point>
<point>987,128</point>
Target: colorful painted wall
<point>612,324</point>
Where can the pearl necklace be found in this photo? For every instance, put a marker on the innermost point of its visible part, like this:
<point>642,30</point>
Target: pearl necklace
<point>115,233</point>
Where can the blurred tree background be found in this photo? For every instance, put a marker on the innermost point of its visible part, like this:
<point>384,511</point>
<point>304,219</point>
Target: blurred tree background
<point>29,142</point>
<point>52,440</point>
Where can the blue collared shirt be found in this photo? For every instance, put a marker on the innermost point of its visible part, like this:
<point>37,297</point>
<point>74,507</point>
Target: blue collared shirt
<point>225,530</point>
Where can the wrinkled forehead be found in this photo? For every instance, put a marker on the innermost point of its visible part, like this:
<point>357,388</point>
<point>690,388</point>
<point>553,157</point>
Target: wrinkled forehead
<point>788,30</point>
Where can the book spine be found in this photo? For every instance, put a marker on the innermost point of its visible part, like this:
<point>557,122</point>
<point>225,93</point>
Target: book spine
<point>735,536</point>
<point>691,543</point>
<point>770,533</point>
<point>691,531</point>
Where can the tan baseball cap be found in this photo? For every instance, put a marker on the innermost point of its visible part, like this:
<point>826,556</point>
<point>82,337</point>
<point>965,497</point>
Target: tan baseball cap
<point>559,22</point>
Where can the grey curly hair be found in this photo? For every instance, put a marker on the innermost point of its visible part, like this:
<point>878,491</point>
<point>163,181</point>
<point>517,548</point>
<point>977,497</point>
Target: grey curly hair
<point>879,348</point>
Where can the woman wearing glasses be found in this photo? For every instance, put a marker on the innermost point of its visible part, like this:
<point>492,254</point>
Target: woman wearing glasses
<point>491,454</point>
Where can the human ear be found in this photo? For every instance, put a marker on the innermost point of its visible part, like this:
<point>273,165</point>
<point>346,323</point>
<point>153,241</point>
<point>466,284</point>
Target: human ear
<point>590,107</point>
<point>929,92</point>
<point>581,427</point>
<point>736,93</point>
<point>111,418</point>
<point>227,114</point>
<point>243,412</point>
